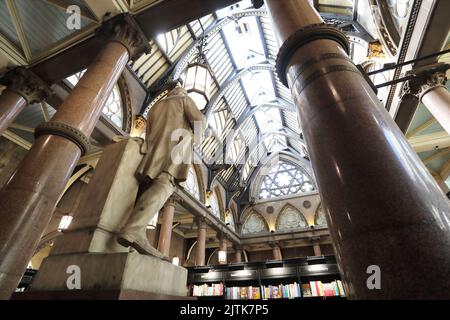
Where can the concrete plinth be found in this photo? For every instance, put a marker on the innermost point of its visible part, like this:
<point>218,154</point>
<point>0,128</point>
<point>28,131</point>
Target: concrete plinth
<point>107,269</point>
<point>127,271</point>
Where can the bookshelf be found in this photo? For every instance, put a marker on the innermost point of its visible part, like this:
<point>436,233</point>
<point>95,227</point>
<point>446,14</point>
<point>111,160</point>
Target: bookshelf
<point>310,277</point>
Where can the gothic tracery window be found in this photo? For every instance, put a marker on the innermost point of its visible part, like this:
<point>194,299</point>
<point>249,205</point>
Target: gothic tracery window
<point>285,179</point>
<point>254,223</point>
<point>229,219</point>
<point>214,205</point>
<point>113,108</point>
<point>320,219</point>
<point>291,218</point>
<point>192,184</point>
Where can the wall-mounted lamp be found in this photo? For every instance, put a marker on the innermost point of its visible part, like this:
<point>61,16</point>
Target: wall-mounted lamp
<point>222,256</point>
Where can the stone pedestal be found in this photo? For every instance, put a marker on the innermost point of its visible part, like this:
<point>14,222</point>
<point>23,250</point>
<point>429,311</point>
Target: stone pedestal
<point>107,203</point>
<point>128,271</point>
<point>90,242</point>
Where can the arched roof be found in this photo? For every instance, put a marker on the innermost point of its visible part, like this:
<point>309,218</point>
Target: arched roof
<point>249,107</point>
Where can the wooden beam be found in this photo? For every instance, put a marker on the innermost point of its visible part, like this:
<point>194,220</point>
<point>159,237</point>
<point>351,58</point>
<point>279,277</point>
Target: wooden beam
<point>19,28</point>
<point>437,155</point>
<point>421,128</point>
<point>160,18</point>
<point>430,142</point>
<point>170,14</point>
<point>21,127</point>
<point>11,136</point>
<point>63,5</point>
<point>44,110</point>
<point>445,170</point>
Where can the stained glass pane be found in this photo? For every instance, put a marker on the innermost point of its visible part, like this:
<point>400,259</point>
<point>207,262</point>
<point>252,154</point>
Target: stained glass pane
<point>285,179</point>
<point>254,224</point>
<point>192,184</point>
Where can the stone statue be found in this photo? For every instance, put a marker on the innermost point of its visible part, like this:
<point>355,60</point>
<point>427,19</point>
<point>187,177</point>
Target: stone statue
<point>168,155</point>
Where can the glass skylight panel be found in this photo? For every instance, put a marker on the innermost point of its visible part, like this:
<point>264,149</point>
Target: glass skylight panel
<point>244,40</point>
<point>285,179</point>
<point>225,12</point>
<point>259,87</point>
<point>269,120</point>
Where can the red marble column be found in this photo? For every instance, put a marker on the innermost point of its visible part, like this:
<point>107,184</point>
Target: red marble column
<point>382,206</point>
<point>276,252</point>
<point>22,88</point>
<point>30,197</point>
<point>237,255</point>
<point>201,243</point>
<point>317,251</point>
<point>165,233</point>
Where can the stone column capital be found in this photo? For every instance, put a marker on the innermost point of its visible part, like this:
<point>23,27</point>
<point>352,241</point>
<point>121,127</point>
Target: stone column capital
<point>201,222</point>
<point>426,79</point>
<point>123,29</point>
<point>26,84</point>
<point>172,201</point>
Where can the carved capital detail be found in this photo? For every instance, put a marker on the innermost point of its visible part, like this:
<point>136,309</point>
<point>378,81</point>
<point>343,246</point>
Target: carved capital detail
<point>25,83</point>
<point>422,85</point>
<point>173,200</point>
<point>139,125</point>
<point>426,79</point>
<point>125,30</point>
<point>201,222</point>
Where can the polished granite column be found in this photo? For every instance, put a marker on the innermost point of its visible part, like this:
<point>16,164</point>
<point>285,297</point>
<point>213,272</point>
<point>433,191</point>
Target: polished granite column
<point>30,196</point>
<point>317,251</point>
<point>22,88</point>
<point>165,233</point>
<point>382,206</point>
<point>237,255</point>
<point>201,243</point>
<point>429,88</point>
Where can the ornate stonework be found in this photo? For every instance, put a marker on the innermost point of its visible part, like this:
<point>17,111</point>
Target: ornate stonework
<point>421,85</point>
<point>139,125</point>
<point>125,30</point>
<point>25,83</point>
<point>291,218</point>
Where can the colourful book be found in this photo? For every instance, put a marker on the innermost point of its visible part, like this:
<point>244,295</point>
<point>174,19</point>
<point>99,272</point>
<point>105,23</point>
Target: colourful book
<point>306,290</point>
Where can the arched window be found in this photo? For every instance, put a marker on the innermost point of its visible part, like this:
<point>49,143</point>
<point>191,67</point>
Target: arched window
<point>291,218</point>
<point>229,219</point>
<point>285,179</point>
<point>320,219</point>
<point>214,203</point>
<point>254,223</point>
<point>113,108</point>
<point>192,184</point>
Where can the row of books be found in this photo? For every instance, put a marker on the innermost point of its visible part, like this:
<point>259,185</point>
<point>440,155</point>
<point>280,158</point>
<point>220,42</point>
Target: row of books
<point>320,289</point>
<point>210,291</point>
<point>287,291</point>
<point>243,293</point>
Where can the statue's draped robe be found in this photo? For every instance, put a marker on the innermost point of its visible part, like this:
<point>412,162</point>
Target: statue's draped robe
<point>166,118</point>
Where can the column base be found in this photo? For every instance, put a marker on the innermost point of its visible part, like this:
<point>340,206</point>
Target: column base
<point>118,275</point>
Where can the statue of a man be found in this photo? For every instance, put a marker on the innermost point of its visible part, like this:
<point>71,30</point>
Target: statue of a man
<point>161,168</point>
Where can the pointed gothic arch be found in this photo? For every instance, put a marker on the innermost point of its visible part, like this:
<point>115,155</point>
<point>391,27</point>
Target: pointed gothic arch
<point>319,217</point>
<point>290,217</point>
<point>254,223</point>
